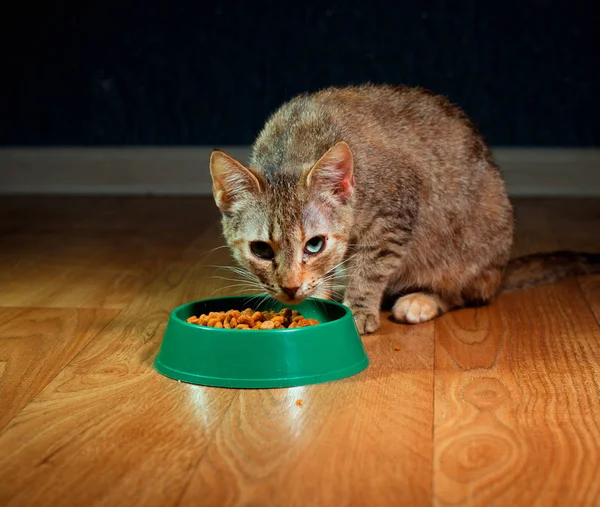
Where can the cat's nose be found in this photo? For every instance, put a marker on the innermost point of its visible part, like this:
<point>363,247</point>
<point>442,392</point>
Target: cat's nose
<point>290,291</point>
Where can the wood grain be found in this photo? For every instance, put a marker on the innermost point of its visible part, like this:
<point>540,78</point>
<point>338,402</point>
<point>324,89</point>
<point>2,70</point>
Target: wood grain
<point>18,252</point>
<point>88,269</point>
<point>35,345</point>
<point>590,285</point>
<point>494,406</point>
<point>517,402</point>
<point>518,383</point>
<point>108,425</point>
<point>576,226</point>
<point>361,441</point>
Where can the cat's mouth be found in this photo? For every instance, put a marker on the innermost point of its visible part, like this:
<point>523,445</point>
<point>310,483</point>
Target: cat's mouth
<point>287,300</point>
<point>291,296</point>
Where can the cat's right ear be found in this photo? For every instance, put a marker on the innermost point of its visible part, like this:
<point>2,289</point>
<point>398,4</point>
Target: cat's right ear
<point>334,172</point>
<point>231,180</point>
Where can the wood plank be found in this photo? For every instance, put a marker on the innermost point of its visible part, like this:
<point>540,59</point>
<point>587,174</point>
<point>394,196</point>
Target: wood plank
<point>109,430</point>
<point>35,345</point>
<point>517,382</point>
<point>516,402</point>
<point>108,435</point>
<point>576,226</point>
<point>360,441</point>
<point>87,269</point>
<point>516,385</point>
<point>92,253</point>
<point>19,252</point>
<point>590,285</point>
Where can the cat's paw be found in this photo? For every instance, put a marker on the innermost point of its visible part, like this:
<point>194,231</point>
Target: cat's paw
<point>366,322</point>
<point>416,308</point>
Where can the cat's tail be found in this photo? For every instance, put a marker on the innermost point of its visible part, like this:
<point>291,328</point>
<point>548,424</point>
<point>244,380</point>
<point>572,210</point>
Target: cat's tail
<point>538,269</point>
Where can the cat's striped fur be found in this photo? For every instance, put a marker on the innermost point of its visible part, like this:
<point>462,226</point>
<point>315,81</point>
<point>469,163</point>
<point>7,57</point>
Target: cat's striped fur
<point>402,186</point>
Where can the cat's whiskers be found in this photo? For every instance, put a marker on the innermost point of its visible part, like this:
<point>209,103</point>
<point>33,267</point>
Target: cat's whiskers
<point>341,263</point>
<point>340,279</point>
<point>239,271</point>
<point>246,279</point>
<point>332,280</point>
<point>331,287</point>
<point>336,289</point>
<point>340,276</point>
<point>208,252</point>
<point>244,287</point>
<point>338,295</point>
<point>242,282</point>
<point>242,291</point>
<point>258,297</point>
<point>232,279</point>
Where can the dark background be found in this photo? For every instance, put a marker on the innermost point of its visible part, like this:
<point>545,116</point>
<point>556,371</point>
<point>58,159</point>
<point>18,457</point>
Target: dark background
<point>179,73</point>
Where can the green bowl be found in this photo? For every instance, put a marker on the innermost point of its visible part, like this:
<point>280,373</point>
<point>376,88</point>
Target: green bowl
<point>328,351</point>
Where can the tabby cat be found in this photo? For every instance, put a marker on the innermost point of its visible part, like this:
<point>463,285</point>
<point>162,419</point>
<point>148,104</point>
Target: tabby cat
<point>380,191</point>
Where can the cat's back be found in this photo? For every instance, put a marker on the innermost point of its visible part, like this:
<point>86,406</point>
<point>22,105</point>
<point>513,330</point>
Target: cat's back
<point>389,105</point>
<point>366,106</point>
<point>420,165</point>
<point>371,118</point>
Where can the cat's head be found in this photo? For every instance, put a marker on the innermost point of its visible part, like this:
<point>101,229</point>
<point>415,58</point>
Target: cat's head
<point>289,227</point>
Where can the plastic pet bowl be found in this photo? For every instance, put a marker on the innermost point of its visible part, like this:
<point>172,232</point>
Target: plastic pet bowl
<point>236,358</point>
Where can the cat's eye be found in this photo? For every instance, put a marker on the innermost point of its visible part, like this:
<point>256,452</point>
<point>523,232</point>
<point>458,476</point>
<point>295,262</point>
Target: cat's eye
<point>262,250</point>
<point>314,245</point>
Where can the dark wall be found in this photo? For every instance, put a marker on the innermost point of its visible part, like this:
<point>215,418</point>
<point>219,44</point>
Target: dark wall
<point>102,73</point>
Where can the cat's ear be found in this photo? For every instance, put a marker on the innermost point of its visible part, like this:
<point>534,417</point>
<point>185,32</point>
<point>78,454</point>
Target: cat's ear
<point>333,172</point>
<point>231,180</point>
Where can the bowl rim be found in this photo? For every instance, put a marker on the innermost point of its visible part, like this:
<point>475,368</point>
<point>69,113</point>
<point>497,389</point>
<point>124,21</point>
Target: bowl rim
<point>344,308</point>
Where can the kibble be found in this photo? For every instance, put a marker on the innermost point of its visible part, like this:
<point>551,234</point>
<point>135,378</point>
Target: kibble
<point>252,319</point>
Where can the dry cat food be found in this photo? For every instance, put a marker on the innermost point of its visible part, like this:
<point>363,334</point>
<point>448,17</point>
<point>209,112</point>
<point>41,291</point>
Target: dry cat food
<point>252,319</point>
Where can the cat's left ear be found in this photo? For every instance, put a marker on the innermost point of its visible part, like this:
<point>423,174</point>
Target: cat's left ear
<point>231,180</point>
<point>333,172</point>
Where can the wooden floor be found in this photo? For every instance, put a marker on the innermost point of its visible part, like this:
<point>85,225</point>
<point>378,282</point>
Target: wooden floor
<point>494,406</point>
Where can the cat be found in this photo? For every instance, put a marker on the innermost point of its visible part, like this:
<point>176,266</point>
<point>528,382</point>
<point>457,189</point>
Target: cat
<point>391,190</point>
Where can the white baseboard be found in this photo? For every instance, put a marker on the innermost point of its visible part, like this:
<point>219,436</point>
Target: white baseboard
<point>184,171</point>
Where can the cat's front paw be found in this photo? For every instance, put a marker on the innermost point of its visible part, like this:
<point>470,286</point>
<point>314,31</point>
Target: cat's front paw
<point>416,308</point>
<point>366,321</point>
